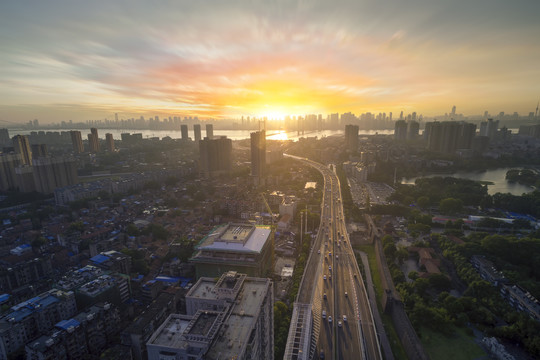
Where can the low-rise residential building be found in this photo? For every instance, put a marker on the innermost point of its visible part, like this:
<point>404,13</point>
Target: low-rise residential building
<point>27,320</point>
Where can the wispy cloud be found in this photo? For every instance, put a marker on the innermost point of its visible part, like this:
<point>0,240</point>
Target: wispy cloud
<point>224,59</point>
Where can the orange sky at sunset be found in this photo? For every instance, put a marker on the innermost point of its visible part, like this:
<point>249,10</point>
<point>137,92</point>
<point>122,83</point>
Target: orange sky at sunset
<point>65,61</point>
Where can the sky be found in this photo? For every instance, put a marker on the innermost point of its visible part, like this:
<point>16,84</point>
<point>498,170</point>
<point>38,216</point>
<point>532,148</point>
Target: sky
<point>80,60</point>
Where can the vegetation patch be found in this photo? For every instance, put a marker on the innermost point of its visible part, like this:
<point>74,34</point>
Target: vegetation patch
<point>457,346</point>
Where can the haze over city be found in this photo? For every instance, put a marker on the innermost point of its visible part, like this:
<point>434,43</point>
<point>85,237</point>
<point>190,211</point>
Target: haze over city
<point>64,60</point>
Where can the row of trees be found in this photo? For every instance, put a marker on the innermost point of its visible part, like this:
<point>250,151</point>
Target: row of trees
<point>282,313</point>
<point>490,305</point>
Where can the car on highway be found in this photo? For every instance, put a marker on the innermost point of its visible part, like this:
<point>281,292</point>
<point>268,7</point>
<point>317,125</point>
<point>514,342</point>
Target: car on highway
<point>318,251</point>
<point>344,318</point>
<point>324,295</point>
<point>346,294</point>
<point>330,319</point>
<point>330,267</point>
<point>324,314</point>
<point>339,323</point>
<point>324,277</point>
<point>337,256</point>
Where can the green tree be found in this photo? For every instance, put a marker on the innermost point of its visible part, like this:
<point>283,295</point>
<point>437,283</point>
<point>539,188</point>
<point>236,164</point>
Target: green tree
<point>450,206</point>
<point>423,202</point>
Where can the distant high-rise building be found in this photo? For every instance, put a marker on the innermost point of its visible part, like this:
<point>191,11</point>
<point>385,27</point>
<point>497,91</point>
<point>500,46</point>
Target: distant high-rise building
<point>76,140</point>
<point>215,156</point>
<point>4,138</point>
<point>448,136</point>
<point>400,130</point>
<point>184,132</point>
<point>453,110</point>
<point>351,137</point>
<point>8,164</point>
<point>22,146</point>
<point>258,156</point>
<point>334,121</point>
<point>93,140</point>
<point>413,128</point>
<point>468,132</point>
<point>39,150</point>
<point>209,131</point>
<point>489,128</point>
<point>197,132</point>
<point>109,141</point>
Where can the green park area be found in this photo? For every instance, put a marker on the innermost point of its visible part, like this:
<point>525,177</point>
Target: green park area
<point>458,346</point>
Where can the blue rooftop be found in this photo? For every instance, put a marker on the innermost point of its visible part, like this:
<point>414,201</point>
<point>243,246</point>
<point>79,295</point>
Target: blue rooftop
<point>65,324</point>
<point>167,279</point>
<point>4,297</point>
<point>22,310</point>
<point>100,258</point>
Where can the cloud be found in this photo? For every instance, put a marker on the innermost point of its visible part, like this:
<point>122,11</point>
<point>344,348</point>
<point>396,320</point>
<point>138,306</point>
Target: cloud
<point>227,58</point>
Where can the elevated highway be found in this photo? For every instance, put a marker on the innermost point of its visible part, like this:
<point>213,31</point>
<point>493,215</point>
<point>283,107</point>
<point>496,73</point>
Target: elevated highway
<point>332,316</point>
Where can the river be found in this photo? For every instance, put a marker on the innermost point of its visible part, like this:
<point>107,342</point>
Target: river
<point>231,134</point>
<point>496,176</point>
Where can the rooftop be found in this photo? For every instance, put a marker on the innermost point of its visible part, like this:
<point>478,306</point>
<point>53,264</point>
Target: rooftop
<point>169,333</point>
<point>237,238</point>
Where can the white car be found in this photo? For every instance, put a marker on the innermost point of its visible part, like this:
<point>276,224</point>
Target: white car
<point>346,294</point>
<point>324,314</point>
<point>324,277</point>
<point>339,323</point>
<point>344,318</point>
<point>318,251</point>
<point>329,319</point>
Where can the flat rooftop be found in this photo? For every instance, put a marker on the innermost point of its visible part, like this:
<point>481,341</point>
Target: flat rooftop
<point>236,238</point>
<point>241,319</point>
<point>170,332</point>
<point>203,289</point>
<point>202,323</point>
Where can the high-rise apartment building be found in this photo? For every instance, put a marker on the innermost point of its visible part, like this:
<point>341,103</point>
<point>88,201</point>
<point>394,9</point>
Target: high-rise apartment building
<point>448,136</point>
<point>400,130</point>
<point>109,141</point>
<point>4,137</point>
<point>229,318</point>
<point>76,140</point>
<point>209,131</point>
<point>8,164</point>
<point>184,132</point>
<point>489,128</point>
<point>39,150</point>
<point>351,137</point>
<point>22,146</point>
<point>215,156</point>
<point>93,140</point>
<point>53,172</point>
<point>413,129</point>
<point>197,132</point>
<point>258,156</point>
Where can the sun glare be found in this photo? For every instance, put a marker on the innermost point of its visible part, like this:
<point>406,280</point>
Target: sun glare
<point>279,135</point>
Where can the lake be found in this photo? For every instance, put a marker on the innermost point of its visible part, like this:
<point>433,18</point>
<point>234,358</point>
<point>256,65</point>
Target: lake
<point>496,176</point>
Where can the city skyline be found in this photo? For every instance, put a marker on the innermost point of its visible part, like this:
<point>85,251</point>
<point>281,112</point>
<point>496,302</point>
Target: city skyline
<point>64,61</point>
